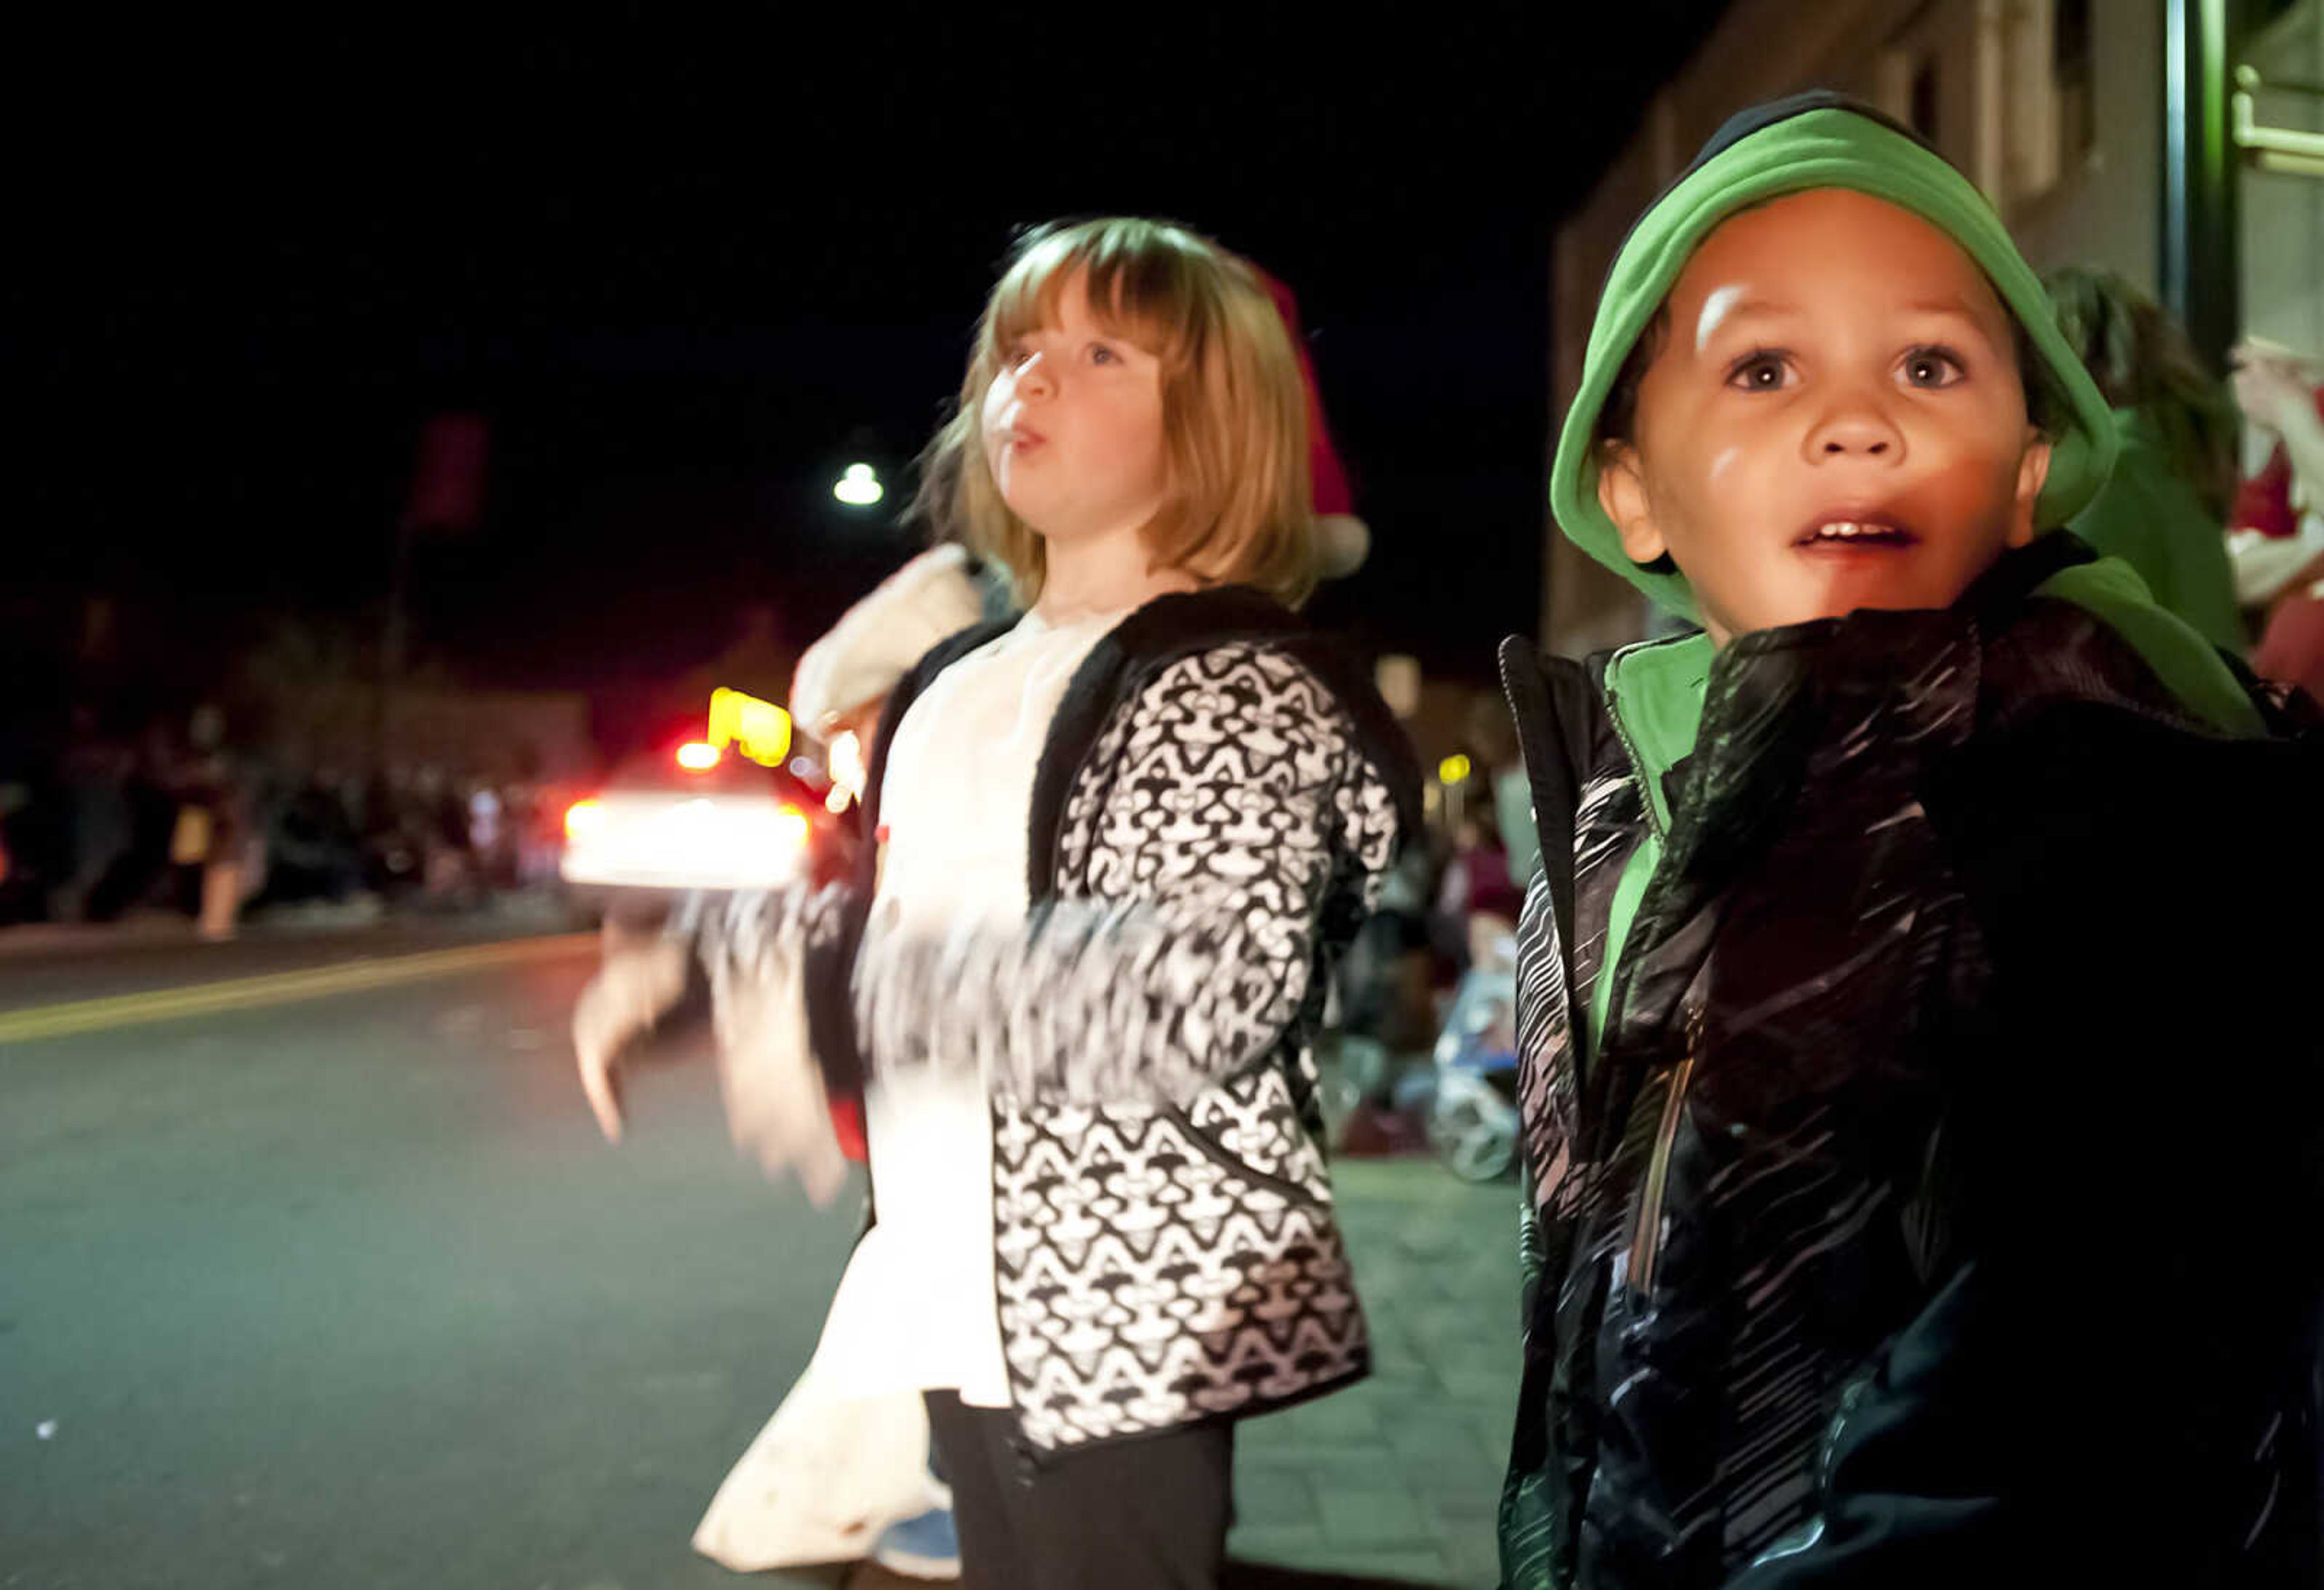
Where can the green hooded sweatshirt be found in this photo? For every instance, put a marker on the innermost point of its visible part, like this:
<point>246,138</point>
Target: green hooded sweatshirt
<point>2151,517</point>
<point>1655,690</point>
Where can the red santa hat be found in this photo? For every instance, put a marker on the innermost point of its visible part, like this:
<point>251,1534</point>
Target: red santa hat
<point>1341,539</point>
<point>2264,502</point>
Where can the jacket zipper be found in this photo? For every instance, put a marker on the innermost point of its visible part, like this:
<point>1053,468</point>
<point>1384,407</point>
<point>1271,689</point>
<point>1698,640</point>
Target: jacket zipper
<point>1647,1241</point>
<point>1646,793</point>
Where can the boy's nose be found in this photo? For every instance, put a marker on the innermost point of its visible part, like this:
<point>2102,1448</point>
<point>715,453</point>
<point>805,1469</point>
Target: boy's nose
<point>1855,429</point>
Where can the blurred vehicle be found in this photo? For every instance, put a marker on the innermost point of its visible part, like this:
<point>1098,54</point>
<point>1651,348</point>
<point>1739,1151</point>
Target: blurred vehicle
<point>695,817</point>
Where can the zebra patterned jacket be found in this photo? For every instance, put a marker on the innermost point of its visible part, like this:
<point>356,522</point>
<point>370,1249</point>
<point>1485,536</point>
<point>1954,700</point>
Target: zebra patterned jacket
<point>1218,803</point>
<point>1888,1221</point>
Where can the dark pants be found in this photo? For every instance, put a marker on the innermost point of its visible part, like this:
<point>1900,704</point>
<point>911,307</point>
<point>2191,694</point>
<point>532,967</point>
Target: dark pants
<point>1144,1514</point>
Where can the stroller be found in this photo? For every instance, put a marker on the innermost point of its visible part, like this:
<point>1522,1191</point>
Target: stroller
<point>1472,1119</point>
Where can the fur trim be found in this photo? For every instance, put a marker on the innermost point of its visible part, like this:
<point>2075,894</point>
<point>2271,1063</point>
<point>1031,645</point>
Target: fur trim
<point>876,640</point>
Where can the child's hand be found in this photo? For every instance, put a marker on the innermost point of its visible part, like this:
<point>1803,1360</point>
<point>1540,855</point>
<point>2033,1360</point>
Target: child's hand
<point>637,984</point>
<point>776,1107</point>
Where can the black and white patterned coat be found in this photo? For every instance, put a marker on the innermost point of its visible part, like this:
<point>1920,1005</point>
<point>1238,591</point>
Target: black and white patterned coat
<point>1217,804</point>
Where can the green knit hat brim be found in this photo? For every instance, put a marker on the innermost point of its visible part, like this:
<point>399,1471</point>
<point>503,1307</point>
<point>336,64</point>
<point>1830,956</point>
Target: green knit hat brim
<point>1829,146</point>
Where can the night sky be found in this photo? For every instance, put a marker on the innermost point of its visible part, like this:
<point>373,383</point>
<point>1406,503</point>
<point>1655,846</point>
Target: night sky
<point>689,268</point>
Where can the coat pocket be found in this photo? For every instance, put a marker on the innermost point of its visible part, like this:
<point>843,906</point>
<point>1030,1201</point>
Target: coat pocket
<point>1206,1143</point>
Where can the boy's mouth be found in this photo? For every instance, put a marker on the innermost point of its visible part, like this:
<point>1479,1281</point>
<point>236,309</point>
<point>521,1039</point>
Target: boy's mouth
<point>1855,533</point>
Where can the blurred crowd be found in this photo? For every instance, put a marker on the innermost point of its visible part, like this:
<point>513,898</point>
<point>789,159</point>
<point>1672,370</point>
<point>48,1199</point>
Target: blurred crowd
<point>176,817</point>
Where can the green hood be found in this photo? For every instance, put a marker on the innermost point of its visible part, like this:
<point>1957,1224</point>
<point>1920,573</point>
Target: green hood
<point>1814,141</point>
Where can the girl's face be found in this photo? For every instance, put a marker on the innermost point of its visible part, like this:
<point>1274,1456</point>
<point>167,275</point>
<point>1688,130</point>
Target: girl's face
<point>1072,426</point>
<point>1835,419</point>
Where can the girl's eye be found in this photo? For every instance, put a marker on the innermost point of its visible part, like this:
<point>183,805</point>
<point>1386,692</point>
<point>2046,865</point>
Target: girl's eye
<point>1763,370</point>
<point>1933,369</point>
<point>1101,355</point>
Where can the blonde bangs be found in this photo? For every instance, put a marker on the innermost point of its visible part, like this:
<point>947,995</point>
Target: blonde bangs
<point>1145,282</point>
<point>1234,410</point>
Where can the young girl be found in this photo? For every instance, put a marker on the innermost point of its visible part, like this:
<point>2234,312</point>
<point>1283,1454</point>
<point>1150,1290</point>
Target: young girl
<point>1120,843</point>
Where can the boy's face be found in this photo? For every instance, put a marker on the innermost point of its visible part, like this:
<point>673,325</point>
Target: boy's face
<point>1834,421</point>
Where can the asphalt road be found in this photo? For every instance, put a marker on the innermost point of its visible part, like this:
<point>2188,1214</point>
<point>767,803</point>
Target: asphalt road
<point>331,1282</point>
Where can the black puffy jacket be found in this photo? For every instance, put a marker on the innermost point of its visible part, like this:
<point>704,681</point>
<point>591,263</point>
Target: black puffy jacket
<point>1929,1193</point>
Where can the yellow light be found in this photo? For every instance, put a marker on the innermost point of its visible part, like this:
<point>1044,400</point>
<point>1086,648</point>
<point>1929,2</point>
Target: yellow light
<point>1452,770</point>
<point>582,816</point>
<point>860,487</point>
<point>760,728</point>
<point>697,757</point>
<point>792,828</point>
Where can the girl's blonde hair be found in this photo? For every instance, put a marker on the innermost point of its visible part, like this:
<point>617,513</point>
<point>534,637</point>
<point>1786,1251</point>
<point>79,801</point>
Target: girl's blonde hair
<point>1235,406</point>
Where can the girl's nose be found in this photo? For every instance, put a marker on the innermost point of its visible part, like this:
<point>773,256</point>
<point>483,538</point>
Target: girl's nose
<point>1033,375</point>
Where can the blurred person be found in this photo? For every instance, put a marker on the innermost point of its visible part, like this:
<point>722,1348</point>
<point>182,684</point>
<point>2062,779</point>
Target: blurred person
<point>2279,521</point>
<point>537,829</point>
<point>2164,510</point>
<point>1390,969</point>
<point>214,838</point>
<point>145,875</point>
<point>485,813</point>
<point>782,1505</point>
<point>1477,899</point>
<point>1120,843</point>
<point>94,772</point>
<point>493,835</point>
<point>391,831</point>
<point>439,820</point>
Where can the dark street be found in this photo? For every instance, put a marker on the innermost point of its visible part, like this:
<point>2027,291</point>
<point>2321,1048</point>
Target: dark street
<point>348,1292</point>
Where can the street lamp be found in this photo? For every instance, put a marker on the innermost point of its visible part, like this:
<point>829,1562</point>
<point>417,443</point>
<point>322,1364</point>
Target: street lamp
<point>858,487</point>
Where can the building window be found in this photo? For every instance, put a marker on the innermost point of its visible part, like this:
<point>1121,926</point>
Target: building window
<point>2049,81</point>
<point>2073,69</point>
<point>1921,108</point>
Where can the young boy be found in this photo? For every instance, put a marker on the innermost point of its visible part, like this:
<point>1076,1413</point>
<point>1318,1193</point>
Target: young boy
<point>1920,1114</point>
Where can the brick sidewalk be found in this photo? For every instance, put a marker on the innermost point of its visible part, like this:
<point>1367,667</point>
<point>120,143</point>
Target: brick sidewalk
<point>1394,1480</point>
<point>1397,1478</point>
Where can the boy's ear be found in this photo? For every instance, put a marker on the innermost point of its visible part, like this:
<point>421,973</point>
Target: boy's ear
<point>2033,475</point>
<point>1622,494</point>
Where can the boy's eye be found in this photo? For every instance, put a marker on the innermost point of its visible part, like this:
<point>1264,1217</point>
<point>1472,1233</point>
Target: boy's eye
<point>1763,370</point>
<point>1933,369</point>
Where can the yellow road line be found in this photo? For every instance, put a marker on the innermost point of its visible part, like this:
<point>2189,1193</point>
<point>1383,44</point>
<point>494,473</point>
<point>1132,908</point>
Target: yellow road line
<point>122,1010</point>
